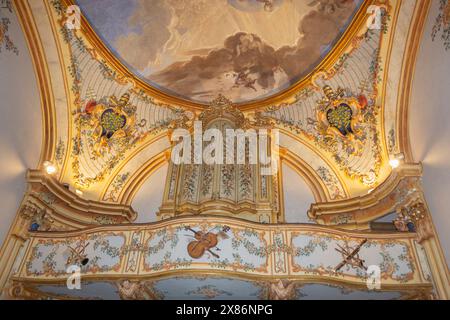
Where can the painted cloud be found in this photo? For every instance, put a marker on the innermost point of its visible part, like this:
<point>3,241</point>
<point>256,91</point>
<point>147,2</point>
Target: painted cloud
<point>244,49</point>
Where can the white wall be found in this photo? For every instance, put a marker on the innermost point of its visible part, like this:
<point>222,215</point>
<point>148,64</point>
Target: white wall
<point>429,126</point>
<point>149,197</point>
<point>298,197</point>
<point>20,124</point>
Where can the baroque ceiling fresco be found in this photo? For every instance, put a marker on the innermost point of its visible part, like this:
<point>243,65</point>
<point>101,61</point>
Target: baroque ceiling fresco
<point>335,117</point>
<point>246,49</point>
<point>333,87</point>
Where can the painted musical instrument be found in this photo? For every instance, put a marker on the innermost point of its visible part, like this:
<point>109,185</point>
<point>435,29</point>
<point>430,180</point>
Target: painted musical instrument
<point>204,241</point>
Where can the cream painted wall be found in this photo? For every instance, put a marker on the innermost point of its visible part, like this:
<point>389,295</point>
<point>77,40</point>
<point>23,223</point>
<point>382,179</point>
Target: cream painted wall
<point>20,124</point>
<point>150,195</point>
<point>298,197</point>
<point>429,126</point>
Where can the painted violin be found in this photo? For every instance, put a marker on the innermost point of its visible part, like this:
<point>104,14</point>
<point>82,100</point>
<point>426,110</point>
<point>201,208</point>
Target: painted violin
<point>204,241</point>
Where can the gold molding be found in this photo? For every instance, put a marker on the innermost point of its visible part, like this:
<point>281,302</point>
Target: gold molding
<point>358,207</point>
<point>264,233</point>
<point>77,208</point>
<point>43,78</point>
<point>407,77</point>
<point>322,155</point>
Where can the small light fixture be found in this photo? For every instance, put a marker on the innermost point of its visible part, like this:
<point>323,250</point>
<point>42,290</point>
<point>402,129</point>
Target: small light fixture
<point>396,160</point>
<point>50,168</point>
<point>79,192</point>
<point>394,163</point>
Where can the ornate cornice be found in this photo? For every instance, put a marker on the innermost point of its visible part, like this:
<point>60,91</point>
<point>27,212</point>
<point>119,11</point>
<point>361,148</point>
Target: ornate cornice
<point>67,206</point>
<point>358,212</point>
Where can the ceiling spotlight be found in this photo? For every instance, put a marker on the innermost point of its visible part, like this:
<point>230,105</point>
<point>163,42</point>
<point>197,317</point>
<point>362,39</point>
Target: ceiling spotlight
<point>49,167</point>
<point>396,160</point>
<point>394,163</point>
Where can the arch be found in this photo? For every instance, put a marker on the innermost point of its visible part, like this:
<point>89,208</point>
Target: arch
<point>43,80</point>
<point>311,178</point>
<point>333,56</point>
<point>406,81</point>
<point>140,176</point>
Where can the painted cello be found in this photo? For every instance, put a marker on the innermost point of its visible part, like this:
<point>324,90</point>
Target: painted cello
<point>204,241</point>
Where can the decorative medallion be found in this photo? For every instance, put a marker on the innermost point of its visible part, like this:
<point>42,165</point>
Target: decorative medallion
<point>113,119</point>
<point>339,115</point>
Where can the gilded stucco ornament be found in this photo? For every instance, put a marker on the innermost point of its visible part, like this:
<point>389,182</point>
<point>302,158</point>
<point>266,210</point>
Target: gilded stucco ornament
<point>337,121</point>
<point>338,118</point>
<point>38,217</point>
<point>18,291</point>
<point>225,189</point>
<point>50,206</point>
<point>414,217</point>
<point>282,290</point>
<point>137,290</point>
<point>221,107</point>
<point>111,121</point>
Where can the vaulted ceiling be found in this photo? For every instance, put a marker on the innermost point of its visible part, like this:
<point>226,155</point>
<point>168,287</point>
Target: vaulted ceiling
<point>326,52</point>
<point>283,61</point>
<point>247,50</point>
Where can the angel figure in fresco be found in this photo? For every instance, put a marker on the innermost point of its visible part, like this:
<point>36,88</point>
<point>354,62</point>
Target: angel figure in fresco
<point>136,291</point>
<point>268,5</point>
<point>243,79</point>
<point>329,6</point>
<point>282,290</point>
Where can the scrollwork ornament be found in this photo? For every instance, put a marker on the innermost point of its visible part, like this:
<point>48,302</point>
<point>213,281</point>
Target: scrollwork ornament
<point>415,218</point>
